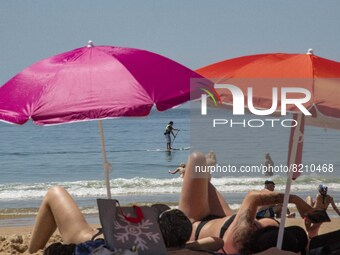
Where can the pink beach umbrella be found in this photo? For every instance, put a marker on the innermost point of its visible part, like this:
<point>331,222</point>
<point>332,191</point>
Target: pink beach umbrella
<point>95,82</point>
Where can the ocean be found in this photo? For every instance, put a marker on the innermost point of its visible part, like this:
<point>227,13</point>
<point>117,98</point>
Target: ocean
<point>34,158</point>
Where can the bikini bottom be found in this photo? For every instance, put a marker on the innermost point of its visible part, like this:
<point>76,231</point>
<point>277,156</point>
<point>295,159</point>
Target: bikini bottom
<point>224,227</point>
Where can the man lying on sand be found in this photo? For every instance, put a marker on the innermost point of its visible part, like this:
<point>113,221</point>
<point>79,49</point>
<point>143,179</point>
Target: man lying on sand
<point>210,215</point>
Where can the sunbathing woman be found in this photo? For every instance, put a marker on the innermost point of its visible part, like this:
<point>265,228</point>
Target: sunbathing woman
<point>199,199</point>
<point>212,216</point>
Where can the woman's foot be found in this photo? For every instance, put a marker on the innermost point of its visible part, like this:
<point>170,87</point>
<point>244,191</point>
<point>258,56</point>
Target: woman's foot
<point>211,158</point>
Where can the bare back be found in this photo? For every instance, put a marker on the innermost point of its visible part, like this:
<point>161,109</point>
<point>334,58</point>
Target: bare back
<point>322,202</point>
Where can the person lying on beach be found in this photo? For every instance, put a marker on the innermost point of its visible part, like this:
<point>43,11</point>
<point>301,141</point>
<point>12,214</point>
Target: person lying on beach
<point>321,202</point>
<point>199,199</point>
<point>211,215</point>
<point>59,211</point>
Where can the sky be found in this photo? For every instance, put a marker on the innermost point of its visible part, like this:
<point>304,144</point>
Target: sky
<point>194,33</point>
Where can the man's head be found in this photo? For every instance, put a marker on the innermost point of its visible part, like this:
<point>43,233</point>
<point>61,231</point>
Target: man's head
<point>171,123</point>
<point>269,185</point>
<point>323,189</point>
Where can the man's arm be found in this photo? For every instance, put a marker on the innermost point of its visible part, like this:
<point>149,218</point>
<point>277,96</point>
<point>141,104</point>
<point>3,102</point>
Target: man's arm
<point>243,224</point>
<point>334,206</point>
<point>173,132</point>
<point>174,171</point>
<point>268,198</point>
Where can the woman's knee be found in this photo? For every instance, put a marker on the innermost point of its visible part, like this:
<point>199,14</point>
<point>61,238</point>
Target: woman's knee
<point>55,192</point>
<point>196,156</point>
<point>197,166</point>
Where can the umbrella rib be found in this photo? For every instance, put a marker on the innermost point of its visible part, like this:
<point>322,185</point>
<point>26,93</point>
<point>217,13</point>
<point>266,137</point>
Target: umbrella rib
<point>311,57</point>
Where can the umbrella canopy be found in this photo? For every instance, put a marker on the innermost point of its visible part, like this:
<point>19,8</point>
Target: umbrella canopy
<point>320,76</point>
<point>95,82</point>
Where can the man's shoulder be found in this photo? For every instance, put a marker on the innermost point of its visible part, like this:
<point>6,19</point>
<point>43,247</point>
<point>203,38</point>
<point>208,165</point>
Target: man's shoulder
<point>329,197</point>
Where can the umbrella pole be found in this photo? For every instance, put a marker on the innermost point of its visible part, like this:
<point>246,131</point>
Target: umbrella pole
<point>284,210</point>
<point>107,165</point>
<point>295,140</point>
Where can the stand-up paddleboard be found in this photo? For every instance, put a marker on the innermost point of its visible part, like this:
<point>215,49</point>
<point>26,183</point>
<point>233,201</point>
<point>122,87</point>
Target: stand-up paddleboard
<point>182,148</point>
<point>173,149</point>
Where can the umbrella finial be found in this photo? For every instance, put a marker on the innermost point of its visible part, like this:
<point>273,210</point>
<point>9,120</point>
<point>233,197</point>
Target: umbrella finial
<point>310,52</point>
<point>90,44</point>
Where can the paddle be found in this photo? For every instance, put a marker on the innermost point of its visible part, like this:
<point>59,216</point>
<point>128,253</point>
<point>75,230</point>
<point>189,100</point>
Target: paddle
<point>174,139</point>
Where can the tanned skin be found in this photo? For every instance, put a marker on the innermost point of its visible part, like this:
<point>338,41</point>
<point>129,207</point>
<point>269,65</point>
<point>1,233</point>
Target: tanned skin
<point>199,198</point>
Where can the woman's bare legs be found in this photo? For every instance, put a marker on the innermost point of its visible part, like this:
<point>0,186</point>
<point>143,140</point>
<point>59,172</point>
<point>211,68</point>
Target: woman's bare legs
<point>194,195</point>
<point>199,197</point>
<point>217,204</point>
<point>58,210</point>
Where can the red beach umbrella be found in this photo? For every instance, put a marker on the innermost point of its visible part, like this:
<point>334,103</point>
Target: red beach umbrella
<point>318,75</point>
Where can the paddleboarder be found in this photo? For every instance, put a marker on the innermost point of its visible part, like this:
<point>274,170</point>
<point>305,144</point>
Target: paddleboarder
<point>167,133</point>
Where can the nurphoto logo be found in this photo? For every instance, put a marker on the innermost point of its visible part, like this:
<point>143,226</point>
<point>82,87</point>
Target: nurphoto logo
<point>238,105</point>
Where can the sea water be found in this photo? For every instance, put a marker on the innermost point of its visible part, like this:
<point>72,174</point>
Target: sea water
<point>35,158</point>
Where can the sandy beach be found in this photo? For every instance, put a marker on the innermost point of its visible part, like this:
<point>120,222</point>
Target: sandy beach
<point>14,240</point>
